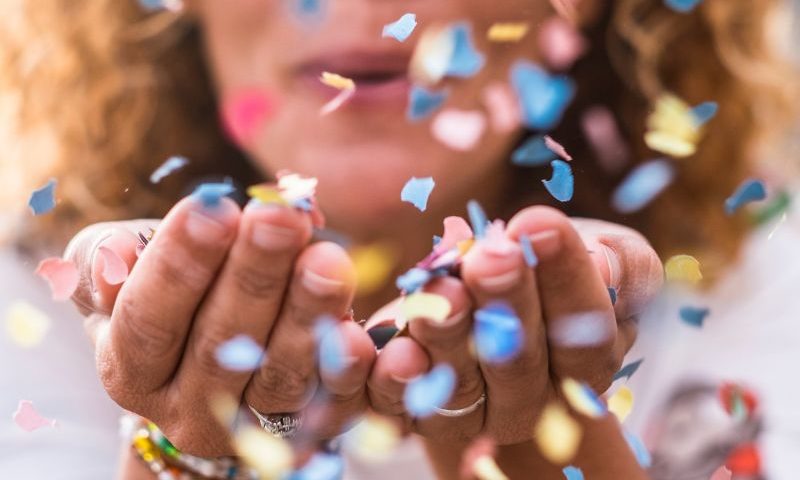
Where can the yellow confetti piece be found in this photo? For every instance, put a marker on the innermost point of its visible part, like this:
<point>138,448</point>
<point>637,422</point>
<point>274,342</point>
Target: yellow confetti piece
<point>507,32</point>
<point>671,145</point>
<point>683,268</point>
<point>581,399</point>
<point>672,127</point>
<point>485,468</point>
<point>425,305</point>
<point>373,264</point>
<point>557,434</point>
<point>26,324</point>
<point>270,456</point>
<point>464,246</point>
<point>224,408</point>
<point>337,81</point>
<point>373,439</point>
<point>621,403</point>
<point>266,194</point>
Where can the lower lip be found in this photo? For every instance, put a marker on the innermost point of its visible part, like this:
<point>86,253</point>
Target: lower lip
<point>381,94</point>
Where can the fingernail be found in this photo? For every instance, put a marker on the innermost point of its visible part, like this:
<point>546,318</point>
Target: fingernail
<point>319,285</point>
<point>97,268</point>
<point>401,379</point>
<point>202,227</point>
<point>546,244</point>
<point>501,282</point>
<point>614,266</point>
<point>272,237</point>
<point>450,321</point>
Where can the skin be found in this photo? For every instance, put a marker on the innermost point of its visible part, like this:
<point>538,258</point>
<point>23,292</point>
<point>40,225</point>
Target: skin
<point>212,273</point>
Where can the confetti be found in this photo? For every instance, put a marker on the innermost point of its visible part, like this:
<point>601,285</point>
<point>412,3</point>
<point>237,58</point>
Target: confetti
<point>115,270</point>
<point>373,263</point>
<point>528,253</point>
<point>459,129</point>
<point>562,184</point>
<point>62,276</point>
<point>673,128</point>
<point>621,403</point>
<point>580,330</point>
<point>43,200</point>
<point>337,81</point>
<point>572,473</point>
<point>423,102</point>
<point>25,324</point>
<point>27,418</point>
<point>155,5</point>
<point>244,112</point>
<point>430,391</point>
<point>533,153</point>
<point>682,6</point>
<point>602,132</point>
<point>456,230</point>
<point>557,434</point>
<point>582,398</point>
<point>557,148</point>
<point>477,218</point>
<point>466,61</point>
<point>337,101</point>
<point>498,333</point>
<point>704,112</point>
<point>642,185</point>
<point>638,449</point>
<point>321,466</point>
<point>432,55</point>
<point>478,460</point>
<point>507,32</point>
<point>332,347</point>
<point>737,400</point>
<point>269,455</point>
<point>749,191</point>
<point>628,370</point>
<point>504,113</point>
<point>210,194</point>
<point>694,316</point>
<point>413,280</point>
<point>683,268</point>
<point>721,473</point>
<point>425,305</point>
<point>543,98</point>
<point>567,9</point>
<point>373,439</point>
<point>485,468</point>
<point>240,354</point>
<point>560,43</point>
<point>401,29</point>
<point>170,166</point>
<point>612,293</point>
<point>416,192</point>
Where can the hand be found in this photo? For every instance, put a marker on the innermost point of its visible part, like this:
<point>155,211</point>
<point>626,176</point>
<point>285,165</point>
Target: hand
<point>208,275</point>
<point>578,260</point>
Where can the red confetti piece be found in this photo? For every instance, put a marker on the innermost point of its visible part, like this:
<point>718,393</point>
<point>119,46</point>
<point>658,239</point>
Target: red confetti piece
<point>61,275</point>
<point>28,419</point>
<point>745,461</point>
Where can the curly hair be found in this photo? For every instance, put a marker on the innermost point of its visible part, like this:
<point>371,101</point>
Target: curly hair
<point>98,93</point>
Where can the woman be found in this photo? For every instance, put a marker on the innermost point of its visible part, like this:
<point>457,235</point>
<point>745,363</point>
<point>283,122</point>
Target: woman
<point>148,86</point>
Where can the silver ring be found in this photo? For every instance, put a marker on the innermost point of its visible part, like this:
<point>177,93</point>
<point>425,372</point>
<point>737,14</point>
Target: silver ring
<point>461,411</point>
<point>282,425</point>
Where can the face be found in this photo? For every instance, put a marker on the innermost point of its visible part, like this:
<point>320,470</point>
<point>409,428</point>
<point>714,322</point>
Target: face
<point>364,152</point>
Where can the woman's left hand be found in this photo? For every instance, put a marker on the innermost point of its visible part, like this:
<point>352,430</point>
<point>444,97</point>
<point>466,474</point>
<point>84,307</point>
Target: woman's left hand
<point>571,328</point>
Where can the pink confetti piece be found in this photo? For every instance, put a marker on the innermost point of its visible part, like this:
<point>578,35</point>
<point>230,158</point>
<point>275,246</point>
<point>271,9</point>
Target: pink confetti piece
<point>115,270</point>
<point>567,9</point>
<point>503,107</point>
<point>604,137</point>
<point>245,112</point>
<point>28,419</point>
<point>560,43</point>
<point>557,148</point>
<point>495,241</point>
<point>337,101</point>
<point>722,473</point>
<point>61,275</point>
<point>456,230</point>
<point>459,129</point>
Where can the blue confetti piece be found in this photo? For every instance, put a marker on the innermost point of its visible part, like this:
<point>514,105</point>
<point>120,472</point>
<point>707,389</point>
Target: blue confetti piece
<point>331,347</point>
<point>477,219</point>
<point>436,240</point>
<point>43,200</point>
<point>498,333</point>
<point>543,98</point>
<point>309,7</point>
<point>171,165</point>
<point>423,102</point>
<point>321,466</point>
<point>704,112</point>
<point>430,391</point>
<point>533,153</point>
<point>628,370</point>
<point>638,449</point>
<point>465,61</point>
<point>642,185</point>
<point>682,6</point>
<point>527,251</point>
<point>749,191</point>
<point>210,194</point>
<point>152,5</point>
<point>694,316</point>
<point>573,473</point>
<point>240,354</point>
<point>562,184</point>
<point>416,192</point>
<point>413,280</point>
<point>401,29</point>
<point>612,292</point>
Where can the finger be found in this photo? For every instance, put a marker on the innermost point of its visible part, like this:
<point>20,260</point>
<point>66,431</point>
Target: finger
<point>495,270</point>
<point>155,306</point>
<point>245,298</point>
<point>323,283</point>
<point>581,326</point>
<point>448,343</point>
<point>400,361</point>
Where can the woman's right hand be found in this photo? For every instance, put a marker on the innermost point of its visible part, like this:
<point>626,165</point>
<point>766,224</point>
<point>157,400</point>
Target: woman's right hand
<point>208,275</point>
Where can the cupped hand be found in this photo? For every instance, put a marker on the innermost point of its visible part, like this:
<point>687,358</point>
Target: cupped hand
<point>571,328</point>
<point>208,275</point>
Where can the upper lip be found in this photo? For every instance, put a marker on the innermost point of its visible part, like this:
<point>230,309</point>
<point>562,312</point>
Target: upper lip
<point>358,63</point>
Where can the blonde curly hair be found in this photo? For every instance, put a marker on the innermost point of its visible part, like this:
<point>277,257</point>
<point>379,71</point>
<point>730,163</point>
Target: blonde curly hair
<point>98,93</point>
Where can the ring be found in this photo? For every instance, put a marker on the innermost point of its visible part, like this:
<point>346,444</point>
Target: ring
<point>282,425</point>
<point>461,411</point>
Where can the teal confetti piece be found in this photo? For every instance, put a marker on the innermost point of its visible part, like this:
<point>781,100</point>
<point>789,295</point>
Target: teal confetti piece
<point>572,473</point>
<point>477,219</point>
<point>465,61</point>
<point>682,6</point>
<point>638,449</point>
<point>543,98</point>
<point>417,191</point>
<point>423,102</point>
<point>750,191</point>
<point>704,112</point>
<point>628,370</point>
<point>694,316</point>
<point>331,348</point>
<point>527,251</point>
<point>642,185</point>
<point>413,280</point>
<point>168,167</point>
<point>210,194</point>
<point>321,466</point>
<point>43,200</point>
<point>612,292</point>
<point>430,391</point>
<point>240,354</point>
<point>401,29</point>
<point>498,333</point>
<point>562,184</point>
<point>533,153</point>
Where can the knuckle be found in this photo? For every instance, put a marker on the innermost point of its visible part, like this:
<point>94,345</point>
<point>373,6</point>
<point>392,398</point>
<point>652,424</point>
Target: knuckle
<point>255,282</point>
<point>280,384</point>
<point>142,328</point>
<point>469,386</point>
<point>178,267</point>
<point>204,349</point>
